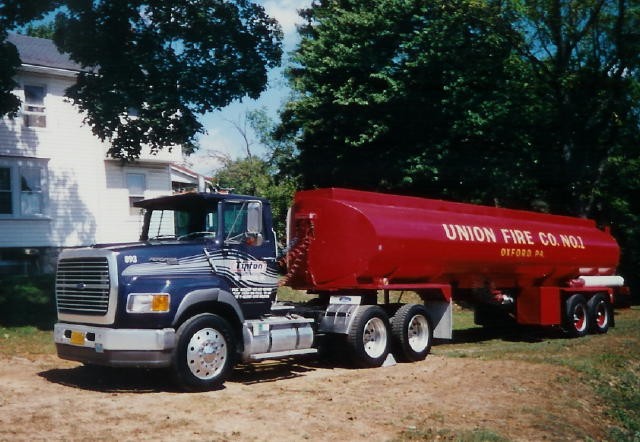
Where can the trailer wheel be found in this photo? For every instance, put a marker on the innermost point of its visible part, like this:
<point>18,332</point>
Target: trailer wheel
<point>599,310</point>
<point>412,333</point>
<point>576,321</point>
<point>204,353</point>
<point>368,338</point>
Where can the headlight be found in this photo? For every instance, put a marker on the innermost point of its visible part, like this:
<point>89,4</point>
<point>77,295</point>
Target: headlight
<point>148,303</point>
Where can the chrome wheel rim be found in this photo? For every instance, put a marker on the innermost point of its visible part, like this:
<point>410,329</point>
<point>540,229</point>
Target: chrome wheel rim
<point>206,353</point>
<point>374,338</point>
<point>418,333</point>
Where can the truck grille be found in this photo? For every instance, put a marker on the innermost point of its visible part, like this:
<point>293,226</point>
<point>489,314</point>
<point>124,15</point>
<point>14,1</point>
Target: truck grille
<point>83,286</point>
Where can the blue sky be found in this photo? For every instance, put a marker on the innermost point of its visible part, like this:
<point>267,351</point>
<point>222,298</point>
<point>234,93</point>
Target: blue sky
<point>221,135</point>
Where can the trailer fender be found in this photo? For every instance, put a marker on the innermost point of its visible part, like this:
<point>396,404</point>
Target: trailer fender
<point>441,316</point>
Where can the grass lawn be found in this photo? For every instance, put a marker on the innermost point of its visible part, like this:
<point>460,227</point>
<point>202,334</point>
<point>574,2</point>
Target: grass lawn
<point>25,341</point>
<point>609,364</point>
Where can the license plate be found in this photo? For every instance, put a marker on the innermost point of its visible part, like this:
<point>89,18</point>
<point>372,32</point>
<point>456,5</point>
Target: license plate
<point>77,338</point>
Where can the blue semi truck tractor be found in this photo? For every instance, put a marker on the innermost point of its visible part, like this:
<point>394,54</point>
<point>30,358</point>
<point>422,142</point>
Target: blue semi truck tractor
<point>196,294</point>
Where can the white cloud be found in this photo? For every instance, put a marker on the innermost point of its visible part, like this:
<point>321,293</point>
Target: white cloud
<point>286,12</point>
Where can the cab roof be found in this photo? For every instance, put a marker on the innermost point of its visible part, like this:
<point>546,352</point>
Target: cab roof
<point>192,200</point>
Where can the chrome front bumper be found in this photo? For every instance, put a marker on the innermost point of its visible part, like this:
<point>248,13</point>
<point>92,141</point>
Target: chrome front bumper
<point>114,347</point>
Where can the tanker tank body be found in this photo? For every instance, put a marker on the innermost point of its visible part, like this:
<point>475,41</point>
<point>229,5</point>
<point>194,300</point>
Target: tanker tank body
<point>538,268</point>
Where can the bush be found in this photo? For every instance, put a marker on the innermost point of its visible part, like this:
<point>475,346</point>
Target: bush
<point>27,300</point>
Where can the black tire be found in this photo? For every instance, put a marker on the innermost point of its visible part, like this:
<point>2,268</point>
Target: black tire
<point>576,316</point>
<point>205,353</point>
<point>412,333</point>
<point>600,313</point>
<point>368,340</point>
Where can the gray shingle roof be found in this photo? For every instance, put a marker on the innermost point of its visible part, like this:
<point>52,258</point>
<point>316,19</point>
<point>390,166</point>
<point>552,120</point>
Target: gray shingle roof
<point>42,52</point>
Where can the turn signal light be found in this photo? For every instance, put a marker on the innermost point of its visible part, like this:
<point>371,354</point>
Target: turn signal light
<point>160,303</point>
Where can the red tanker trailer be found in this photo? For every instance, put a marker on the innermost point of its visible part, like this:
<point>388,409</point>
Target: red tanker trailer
<point>538,268</point>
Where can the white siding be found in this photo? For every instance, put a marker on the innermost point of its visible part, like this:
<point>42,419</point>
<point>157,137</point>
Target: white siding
<point>118,224</point>
<point>74,171</point>
<point>87,200</point>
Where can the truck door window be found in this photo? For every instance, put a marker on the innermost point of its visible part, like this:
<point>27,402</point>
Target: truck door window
<point>242,219</point>
<point>235,221</point>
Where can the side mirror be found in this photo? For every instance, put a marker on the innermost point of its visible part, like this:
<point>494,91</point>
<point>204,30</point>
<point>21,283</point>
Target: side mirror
<point>254,235</point>
<point>254,218</point>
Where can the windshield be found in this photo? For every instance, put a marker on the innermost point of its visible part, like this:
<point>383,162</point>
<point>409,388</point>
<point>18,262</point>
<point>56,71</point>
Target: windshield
<point>182,224</point>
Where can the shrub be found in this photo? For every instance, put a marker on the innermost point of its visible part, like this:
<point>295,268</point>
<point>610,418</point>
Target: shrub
<point>27,300</point>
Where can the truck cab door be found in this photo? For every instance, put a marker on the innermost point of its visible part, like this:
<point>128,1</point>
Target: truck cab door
<point>249,244</point>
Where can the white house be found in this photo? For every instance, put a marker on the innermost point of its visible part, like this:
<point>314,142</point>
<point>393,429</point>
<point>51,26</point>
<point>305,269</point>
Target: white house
<point>57,187</point>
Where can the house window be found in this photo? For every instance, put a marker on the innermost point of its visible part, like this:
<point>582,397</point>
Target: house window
<point>33,108</point>
<point>22,187</point>
<point>136,183</point>
<point>30,191</point>
<point>6,206</point>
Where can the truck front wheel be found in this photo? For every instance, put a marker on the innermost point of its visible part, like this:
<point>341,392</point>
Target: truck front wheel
<point>576,316</point>
<point>368,337</point>
<point>204,353</point>
<point>412,333</point>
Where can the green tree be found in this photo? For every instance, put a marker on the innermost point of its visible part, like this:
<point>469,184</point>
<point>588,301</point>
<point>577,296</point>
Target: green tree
<point>154,66</point>
<point>585,62</point>
<point>254,175</point>
<point>408,95</point>
<point>44,30</point>
<point>507,102</point>
<point>281,149</point>
<point>151,68</point>
<point>12,15</point>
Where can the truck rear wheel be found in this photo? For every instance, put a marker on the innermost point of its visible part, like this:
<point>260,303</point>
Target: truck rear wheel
<point>599,310</point>
<point>412,333</point>
<point>368,338</point>
<point>204,353</point>
<point>576,316</point>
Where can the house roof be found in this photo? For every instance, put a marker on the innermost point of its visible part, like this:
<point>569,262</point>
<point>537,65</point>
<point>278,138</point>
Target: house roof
<point>42,52</point>
<point>185,170</point>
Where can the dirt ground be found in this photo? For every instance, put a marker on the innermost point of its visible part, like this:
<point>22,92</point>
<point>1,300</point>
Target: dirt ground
<point>45,398</point>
